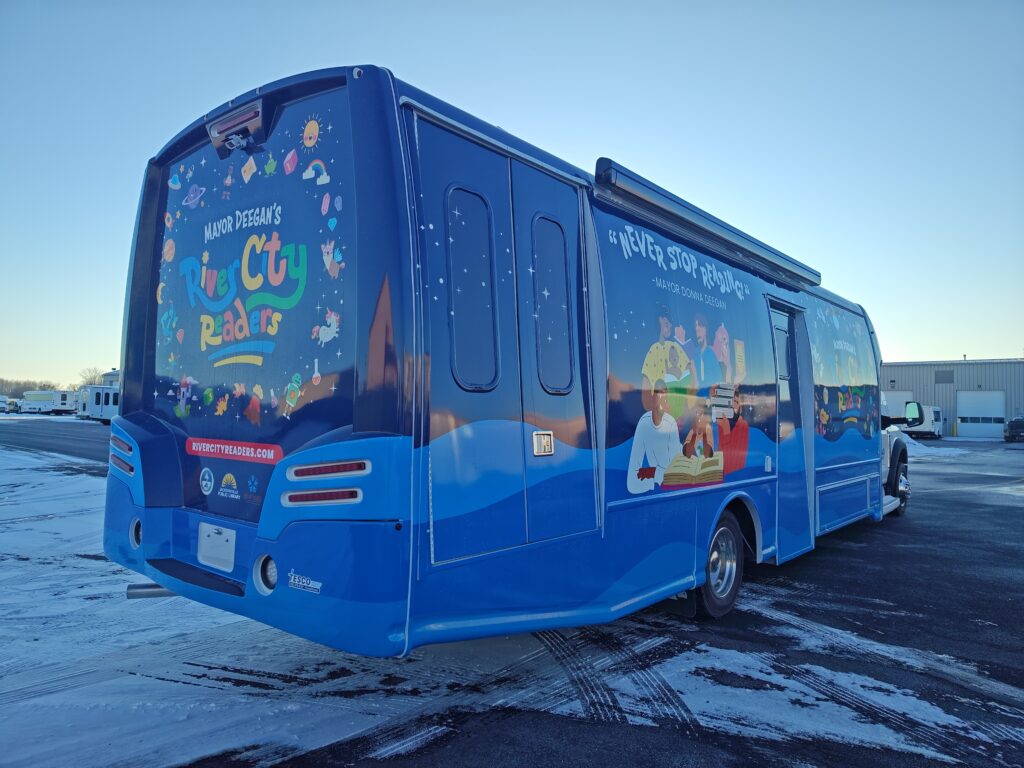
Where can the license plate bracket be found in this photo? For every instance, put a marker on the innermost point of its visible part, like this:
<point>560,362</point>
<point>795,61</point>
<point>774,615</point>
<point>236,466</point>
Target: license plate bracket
<point>216,547</point>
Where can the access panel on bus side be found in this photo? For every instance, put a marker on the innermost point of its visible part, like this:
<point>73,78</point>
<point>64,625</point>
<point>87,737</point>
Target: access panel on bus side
<point>475,475</point>
<point>557,429</point>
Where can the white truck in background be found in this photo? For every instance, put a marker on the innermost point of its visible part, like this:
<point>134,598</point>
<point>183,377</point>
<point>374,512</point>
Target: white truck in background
<point>931,427</point>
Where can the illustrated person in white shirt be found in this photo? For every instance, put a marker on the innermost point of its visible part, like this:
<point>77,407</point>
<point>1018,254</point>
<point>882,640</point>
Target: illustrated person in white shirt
<point>656,439</point>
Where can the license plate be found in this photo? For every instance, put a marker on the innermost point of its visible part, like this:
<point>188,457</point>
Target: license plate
<point>216,547</point>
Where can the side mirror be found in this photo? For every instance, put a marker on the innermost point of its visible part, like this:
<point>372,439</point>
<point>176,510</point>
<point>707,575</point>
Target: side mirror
<point>913,415</point>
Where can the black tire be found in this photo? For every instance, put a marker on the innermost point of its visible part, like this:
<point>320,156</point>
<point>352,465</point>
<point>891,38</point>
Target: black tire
<point>902,474</point>
<point>714,600</point>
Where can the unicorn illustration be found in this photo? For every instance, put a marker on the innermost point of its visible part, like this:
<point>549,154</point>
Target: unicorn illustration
<point>328,331</point>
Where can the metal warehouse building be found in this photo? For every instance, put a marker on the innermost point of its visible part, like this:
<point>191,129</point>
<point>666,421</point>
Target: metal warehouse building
<point>976,396</point>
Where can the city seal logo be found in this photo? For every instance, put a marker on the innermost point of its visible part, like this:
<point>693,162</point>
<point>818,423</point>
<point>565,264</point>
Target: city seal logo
<point>206,481</point>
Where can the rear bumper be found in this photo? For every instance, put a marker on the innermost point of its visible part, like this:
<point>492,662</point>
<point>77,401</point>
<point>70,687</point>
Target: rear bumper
<point>340,583</point>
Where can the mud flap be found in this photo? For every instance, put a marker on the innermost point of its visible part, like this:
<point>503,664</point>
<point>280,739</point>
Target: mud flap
<point>684,604</point>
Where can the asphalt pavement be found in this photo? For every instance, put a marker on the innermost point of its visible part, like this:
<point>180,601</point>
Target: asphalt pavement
<point>893,643</point>
<point>80,438</point>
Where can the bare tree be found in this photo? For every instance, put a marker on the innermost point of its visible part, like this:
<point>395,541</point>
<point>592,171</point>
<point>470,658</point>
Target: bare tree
<point>92,375</point>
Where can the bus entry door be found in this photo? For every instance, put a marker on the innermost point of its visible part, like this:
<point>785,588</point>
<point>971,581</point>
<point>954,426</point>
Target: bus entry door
<point>795,463</point>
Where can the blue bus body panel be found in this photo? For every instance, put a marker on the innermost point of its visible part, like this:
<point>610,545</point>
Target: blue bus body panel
<point>556,390</point>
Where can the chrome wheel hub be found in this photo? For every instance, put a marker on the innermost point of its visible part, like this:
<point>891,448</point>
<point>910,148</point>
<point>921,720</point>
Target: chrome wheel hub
<point>904,487</point>
<point>722,563</point>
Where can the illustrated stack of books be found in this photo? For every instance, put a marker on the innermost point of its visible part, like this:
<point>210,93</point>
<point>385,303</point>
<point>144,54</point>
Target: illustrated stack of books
<point>720,400</point>
<point>693,470</point>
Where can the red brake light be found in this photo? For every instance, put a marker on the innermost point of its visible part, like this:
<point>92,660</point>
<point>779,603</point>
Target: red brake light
<point>120,444</point>
<point>327,470</point>
<point>121,464</point>
<point>316,497</point>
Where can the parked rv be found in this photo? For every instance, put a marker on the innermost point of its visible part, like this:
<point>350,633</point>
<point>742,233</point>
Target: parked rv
<point>54,401</point>
<point>97,402</point>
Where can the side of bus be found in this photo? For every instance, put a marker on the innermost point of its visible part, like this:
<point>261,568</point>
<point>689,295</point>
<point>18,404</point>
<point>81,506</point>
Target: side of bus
<point>607,384</point>
<point>557,397</point>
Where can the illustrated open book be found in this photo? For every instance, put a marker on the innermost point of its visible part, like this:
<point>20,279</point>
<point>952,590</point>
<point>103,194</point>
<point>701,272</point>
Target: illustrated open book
<point>693,470</point>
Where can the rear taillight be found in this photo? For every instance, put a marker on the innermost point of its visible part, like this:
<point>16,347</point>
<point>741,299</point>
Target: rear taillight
<point>333,469</point>
<point>121,464</point>
<point>121,445</point>
<point>338,496</point>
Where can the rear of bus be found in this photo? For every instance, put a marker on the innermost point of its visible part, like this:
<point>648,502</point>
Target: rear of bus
<point>261,460</point>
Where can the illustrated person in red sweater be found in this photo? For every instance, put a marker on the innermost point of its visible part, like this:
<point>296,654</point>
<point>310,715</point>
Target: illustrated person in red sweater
<point>734,437</point>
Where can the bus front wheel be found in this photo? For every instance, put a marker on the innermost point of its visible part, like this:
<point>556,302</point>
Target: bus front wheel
<point>724,570</point>
<point>902,488</point>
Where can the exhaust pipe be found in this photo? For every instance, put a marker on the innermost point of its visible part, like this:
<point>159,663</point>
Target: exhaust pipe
<point>136,591</point>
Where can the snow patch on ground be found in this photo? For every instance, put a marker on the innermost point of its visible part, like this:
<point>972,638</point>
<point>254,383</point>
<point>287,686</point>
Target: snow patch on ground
<point>88,677</point>
<point>920,450</point>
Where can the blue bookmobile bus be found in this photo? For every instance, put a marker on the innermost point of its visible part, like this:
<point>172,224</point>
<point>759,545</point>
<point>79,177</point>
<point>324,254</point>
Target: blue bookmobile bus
<point>393,376</point>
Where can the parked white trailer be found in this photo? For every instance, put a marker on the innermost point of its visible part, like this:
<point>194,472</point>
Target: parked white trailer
<point>97,402</point>
<point>49,401</point>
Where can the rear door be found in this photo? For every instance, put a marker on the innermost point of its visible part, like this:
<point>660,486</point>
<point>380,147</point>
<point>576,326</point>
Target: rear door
<point>477,500</point>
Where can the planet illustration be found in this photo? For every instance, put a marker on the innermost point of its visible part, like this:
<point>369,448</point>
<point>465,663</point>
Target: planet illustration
<point>168,250</point>
<point>160,293</point>
<point>174,182</point>
<point>192,198</point>
<point>168,220</point>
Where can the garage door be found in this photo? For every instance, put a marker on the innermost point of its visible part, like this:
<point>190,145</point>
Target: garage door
<point>980,413</point>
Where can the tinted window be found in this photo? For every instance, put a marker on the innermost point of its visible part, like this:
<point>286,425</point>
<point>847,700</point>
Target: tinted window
<point>97,398</point>
<point>845,371</point>
<point>106,398</point>
<point>115,397</point>
<point>782,352</point>
<point>551,299</point>
<point>471,291</point>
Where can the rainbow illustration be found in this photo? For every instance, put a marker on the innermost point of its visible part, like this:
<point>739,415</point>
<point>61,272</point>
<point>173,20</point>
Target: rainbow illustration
<point>317,169</point>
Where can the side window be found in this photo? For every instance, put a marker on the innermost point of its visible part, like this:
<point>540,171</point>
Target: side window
<point>115,397</point>
<point>782,351</point>
<point>97,398</point>
<point>106,398</point>
<point>551,302</point>
<point>471,292</point>
<point>63,398</point>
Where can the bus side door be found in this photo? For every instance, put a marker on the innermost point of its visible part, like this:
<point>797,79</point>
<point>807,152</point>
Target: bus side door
<point>557,428</point>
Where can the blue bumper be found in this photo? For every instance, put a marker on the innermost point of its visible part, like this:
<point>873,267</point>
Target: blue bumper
<point>342,583</point>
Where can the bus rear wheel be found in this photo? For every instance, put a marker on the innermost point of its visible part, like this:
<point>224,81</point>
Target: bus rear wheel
<point>723,573</point>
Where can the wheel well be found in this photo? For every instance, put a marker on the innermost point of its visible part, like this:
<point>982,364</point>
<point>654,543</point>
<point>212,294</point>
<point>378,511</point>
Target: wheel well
<point>744,515</point>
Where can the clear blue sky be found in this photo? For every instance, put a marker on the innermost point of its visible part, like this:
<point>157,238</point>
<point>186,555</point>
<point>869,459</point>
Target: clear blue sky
<point>880,142</point>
